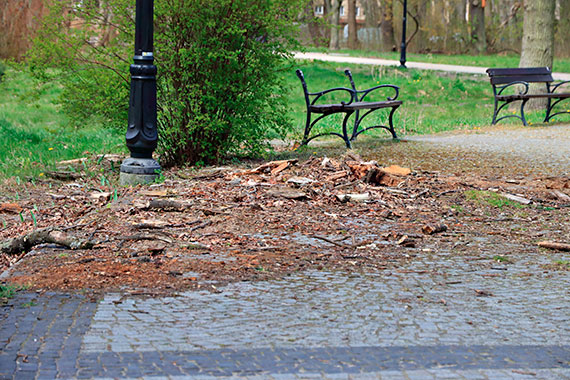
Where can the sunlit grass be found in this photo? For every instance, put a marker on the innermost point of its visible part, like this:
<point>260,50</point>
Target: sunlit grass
<point>36,135</point>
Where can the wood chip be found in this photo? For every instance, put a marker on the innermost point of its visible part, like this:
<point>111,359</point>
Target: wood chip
<point>353,197</point>
<point>554,245</point>
<point>517,198</point>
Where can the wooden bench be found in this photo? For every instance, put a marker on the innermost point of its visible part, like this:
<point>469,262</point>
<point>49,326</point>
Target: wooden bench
<point>355,104</point>
<point>502,79</point>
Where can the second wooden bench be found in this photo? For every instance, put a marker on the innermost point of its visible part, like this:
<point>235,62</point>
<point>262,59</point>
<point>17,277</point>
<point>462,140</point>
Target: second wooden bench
<point>503,79</point>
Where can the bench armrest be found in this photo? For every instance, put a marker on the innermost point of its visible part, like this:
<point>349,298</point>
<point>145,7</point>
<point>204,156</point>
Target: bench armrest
<point>369,90</point>
<point>557,85</point>
<point>321,93</point>
<point>525,84</point>
<point>317,95</point>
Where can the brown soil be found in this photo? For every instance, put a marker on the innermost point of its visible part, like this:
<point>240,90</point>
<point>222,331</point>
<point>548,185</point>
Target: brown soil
<point>217,225</point>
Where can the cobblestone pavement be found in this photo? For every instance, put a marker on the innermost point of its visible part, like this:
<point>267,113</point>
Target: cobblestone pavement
<point>444,316</point>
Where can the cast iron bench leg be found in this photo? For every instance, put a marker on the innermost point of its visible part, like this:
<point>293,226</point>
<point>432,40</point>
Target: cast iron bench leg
<point>344,130</point>
<point>307,128</point>
<point>522,112</point>
<point>390,118</point>
<point>495,112</point>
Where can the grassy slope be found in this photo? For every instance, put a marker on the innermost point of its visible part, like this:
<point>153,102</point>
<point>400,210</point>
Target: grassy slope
<point>35,135</point>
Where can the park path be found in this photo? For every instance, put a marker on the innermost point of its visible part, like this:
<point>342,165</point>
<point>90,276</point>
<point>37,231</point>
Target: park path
<point>412,65</point>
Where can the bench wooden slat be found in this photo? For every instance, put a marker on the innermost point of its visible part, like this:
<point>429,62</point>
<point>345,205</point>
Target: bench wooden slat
<point>331,108</point>
<point>561,95</point>
<point>519,71</point>
<point>522,78</point>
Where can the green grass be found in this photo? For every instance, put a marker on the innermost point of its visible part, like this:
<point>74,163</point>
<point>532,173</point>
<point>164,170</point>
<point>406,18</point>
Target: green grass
<point>433,101</point>
<point>8,291</point>
<point>36,135</point>
<point>560,64</point>
<point>490,198</point>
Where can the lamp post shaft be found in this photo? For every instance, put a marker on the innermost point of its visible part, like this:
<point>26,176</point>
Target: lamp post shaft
<point>403,46</point>
<point>142,133</point>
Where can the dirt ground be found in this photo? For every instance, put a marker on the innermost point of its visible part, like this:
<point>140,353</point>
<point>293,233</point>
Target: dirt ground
<point>74,230</point>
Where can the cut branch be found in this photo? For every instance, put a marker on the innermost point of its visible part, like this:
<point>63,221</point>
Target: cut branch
<point>48,235</point>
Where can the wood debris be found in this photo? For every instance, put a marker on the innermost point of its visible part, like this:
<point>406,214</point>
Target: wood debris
<point>554,245</point>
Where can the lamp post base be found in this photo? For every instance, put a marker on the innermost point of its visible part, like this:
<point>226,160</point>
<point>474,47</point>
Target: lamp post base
<point>139,171</point>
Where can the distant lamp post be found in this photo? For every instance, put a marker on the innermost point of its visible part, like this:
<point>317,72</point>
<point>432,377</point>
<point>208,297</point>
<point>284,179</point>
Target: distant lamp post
<point>403,46</point>
<point>142,133</point>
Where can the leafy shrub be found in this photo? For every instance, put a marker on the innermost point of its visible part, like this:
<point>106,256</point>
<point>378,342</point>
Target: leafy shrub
<point>2,70</point>
<point>220,88</point>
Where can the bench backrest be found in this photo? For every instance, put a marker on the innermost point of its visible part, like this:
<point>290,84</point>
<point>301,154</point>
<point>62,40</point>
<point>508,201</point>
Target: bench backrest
<point>524,74</point>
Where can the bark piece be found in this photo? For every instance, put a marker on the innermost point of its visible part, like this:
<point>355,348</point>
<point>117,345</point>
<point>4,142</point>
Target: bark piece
<point>158,193</point>
<point>100,195</point>
<point>63,175</point>
<point>287,193</point>
<point>560,195</point>
<point>299,181</point>
<point>274,167</point>
<point>166,205</point>
<point>430,229</point>
<point>406,241</point>
<point>554,245</point>
<point>12,208</point>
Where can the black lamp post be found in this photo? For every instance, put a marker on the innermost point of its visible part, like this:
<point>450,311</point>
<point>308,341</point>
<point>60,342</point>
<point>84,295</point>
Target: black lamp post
<point>142,133</point>
<point>403,46</point>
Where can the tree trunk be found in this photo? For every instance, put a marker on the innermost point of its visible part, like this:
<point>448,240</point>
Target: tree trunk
<point>334,24</point>
<point>538,39</point>
<point>388,26</point>
<point>372,29</point>
<point>478,36</point>
<point>352,36</point>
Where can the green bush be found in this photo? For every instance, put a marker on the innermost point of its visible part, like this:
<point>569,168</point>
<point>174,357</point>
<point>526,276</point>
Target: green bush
<point>220,88</point>
<point>2,70</point>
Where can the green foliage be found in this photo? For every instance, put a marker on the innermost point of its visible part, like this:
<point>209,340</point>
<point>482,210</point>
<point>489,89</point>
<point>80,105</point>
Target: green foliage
<point>221,90</point>
<point>2,70</point>
<point>219,85</point>
<point>88,47</point>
